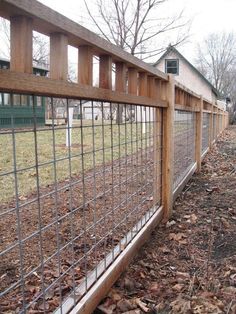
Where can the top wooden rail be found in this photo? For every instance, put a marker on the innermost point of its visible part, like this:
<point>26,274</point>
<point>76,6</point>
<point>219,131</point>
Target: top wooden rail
<point>136,82</point>
<point>48,21</point>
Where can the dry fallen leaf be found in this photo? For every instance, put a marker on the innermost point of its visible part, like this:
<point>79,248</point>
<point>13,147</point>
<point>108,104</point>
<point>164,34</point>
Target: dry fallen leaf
<point>178,287</point>
<point>180,306</point>
<point>142,305</point>
<point>225,223</point>
<point>193,218</point>
<point>177,236</point>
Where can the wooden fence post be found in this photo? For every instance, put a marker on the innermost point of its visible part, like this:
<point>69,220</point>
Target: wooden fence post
<point>198,139</point>
<point>132,81</point>
<point>105,72</point>
<point>85,65</point>
<point>142,90</point>
<point>21,44</point>
<point>217,122</point>
<point>121,75</point>
<point>58,56</point>
<point>168,149</point>
<point>157,118</point>
<point>211,131</point>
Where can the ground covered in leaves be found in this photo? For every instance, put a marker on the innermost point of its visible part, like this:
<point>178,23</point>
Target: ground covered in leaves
<point>189,266</point>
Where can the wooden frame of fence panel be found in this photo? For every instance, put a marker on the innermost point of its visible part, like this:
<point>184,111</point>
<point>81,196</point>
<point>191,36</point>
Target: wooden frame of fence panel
<point>21,32</point>
<point>168,149</point>
<point>157,154</point>
<point>85,65</point>
<point>211,139</point>
<point>120,79</point>
<point>142,90</point>
<point>48,21</point>
<point>151,88</point>
<point>198,139</point>
<point>132,81</point>
<point>105,71</point>
<point>17,82</point>
<point>58,56</point>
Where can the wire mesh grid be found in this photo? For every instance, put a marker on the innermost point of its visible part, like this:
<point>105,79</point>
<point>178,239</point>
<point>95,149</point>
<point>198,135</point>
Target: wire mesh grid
<point>205,131</point>
<point>220,123</point>
<point>214,126</point>
<point>184,144</point>
<point>73,195</point>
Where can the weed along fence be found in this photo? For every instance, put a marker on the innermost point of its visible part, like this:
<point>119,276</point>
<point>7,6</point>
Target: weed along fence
<point>73,212</point>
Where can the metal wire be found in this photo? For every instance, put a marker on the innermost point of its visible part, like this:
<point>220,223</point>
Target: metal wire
<point>70,193</point>
<point>205,131</point>
<point>214,126</point>
<point>184,144</point>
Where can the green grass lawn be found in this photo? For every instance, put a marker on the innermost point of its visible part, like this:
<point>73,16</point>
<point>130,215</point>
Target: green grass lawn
<point>25,154</point>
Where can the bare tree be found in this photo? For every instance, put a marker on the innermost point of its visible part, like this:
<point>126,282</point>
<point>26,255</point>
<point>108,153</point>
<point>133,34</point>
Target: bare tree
<point>216,60</point>
<point>135,25</point>
<point>40,45</point>
<point>5,38</point>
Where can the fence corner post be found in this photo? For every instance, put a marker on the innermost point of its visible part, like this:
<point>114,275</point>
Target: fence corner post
<point>168,149</point>
<point>198,139</point>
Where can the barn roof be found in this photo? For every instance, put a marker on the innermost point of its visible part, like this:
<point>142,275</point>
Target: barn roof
<point>173,49</point>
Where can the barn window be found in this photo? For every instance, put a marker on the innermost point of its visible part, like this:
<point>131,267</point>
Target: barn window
<point>172,66</point>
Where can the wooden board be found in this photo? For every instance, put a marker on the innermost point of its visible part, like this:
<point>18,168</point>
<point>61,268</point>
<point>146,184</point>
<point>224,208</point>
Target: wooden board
<point>31,84</point>
<point>48,21</point>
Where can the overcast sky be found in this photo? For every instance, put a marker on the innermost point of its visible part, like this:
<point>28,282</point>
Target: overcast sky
<point>208,16</point>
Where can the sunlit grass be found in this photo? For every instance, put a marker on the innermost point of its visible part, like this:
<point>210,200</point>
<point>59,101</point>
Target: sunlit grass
<point>46,148</point>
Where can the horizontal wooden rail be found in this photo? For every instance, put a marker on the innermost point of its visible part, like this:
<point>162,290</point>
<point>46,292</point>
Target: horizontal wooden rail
<point>48,21</point>
<point>186,108</point>
<point>31,84</point>
<point>187,90</point>
<point>135,83</point>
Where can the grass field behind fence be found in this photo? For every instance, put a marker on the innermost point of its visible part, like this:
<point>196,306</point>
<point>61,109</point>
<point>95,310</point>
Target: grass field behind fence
<point>25,152</point>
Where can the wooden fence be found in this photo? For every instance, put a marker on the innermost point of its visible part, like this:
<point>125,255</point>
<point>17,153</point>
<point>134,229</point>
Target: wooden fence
<point>172,130</point>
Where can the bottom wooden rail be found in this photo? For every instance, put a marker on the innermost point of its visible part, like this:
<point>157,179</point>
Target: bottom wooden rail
<point>185,180</point>
<point>205,152</point>
<point>100,280</point>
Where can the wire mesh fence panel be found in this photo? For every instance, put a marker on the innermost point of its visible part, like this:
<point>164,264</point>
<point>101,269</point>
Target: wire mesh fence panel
<point>184,144</point>
<point>214,126</point>
<point>73,194</point>
<point>220,123</point>
<point>205,131</point>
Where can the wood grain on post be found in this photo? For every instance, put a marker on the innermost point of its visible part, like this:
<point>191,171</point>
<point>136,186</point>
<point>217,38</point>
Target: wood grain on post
<point>164,90</point>
<point>132,81</point>
<point>85,65</point>
<point>168,149</point>
<point>211,131</point>
<point>158,88</point>
<point>58,56</point>
<point>151,87</point>
<point>142,90</point>
<point>48,21</point>
<point>218,122</point>
<point>198,135</point>
<point>105,72</point>
<point>21,44</point>
<point>121,77</point>
<point>157,156</point>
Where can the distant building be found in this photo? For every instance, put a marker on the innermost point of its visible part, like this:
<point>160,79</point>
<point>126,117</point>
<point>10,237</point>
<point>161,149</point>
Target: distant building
<point>17,110</point>
<point>172,61</point>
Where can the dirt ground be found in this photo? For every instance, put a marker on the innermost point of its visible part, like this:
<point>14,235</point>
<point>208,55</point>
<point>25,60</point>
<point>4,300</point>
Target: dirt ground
<point>79,204</point>
<point>189,266</point>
